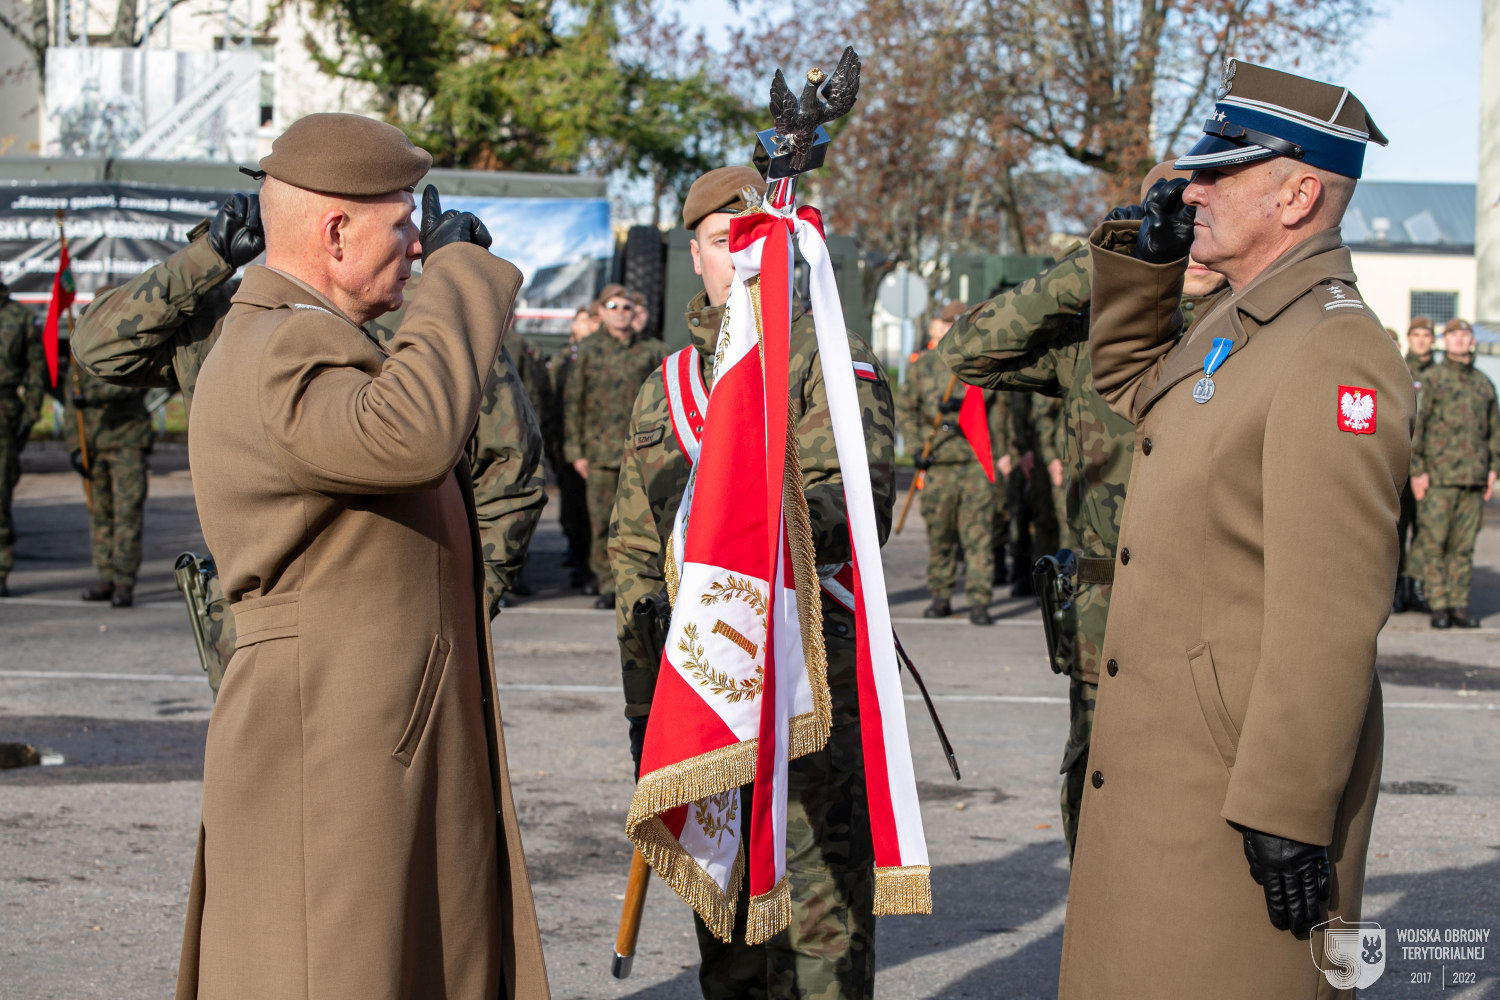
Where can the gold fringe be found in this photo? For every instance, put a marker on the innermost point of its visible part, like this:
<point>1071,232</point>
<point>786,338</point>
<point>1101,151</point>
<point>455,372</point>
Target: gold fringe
<point>692,779</point>
<point>811,737</point>
<point>687,878</point>
<point>903,890</point>
<point>669,568</point>
<point>770,914</point>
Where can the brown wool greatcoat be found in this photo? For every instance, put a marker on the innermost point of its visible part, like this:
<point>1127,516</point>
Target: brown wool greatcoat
<point>1255,568</point>
<point>358,838</point>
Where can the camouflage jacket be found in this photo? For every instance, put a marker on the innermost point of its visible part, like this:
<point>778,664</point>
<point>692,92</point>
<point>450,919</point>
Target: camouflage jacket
<point>114,416</point>
<point>601,385</point>
<point>156,329</point>
<point>927,380</point>
<point>23,369</point>
<point>1419,371</point>
<point>1457,438</point>
<point>654,474</point>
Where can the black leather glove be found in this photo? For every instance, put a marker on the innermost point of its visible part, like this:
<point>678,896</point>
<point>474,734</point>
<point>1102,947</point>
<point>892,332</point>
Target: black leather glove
<point>235,234</point>
<point>23,432</point>
<point>952,404</point>
<point>637,741</point>
<point>75,459</point>
<point>440,228</point>
<point>1294,876</point>
<point>922,462</point>
<point>1125,213</point>
<point>1166,232</point>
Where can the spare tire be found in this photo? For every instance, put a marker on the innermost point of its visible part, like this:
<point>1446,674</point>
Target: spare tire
<point>645,271</point>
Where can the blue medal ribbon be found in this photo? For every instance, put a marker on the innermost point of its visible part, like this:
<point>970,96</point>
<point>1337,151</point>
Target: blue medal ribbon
<point>1216,355</point>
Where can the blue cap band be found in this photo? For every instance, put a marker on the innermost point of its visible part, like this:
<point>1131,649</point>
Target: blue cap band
<point>1332,147</point>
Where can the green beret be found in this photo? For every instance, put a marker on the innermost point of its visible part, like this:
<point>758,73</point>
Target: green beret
<point>723,189</point>
<point>348,155</point>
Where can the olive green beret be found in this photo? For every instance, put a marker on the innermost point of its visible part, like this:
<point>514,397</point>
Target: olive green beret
<point>348,155</point>
<point>731,189</point>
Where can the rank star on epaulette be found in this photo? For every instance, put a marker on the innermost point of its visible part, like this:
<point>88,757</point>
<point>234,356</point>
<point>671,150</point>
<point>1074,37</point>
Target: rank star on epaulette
<point>1356,409</point>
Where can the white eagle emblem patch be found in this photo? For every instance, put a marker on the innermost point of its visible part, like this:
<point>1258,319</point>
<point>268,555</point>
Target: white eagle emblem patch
<point>1356,409</point>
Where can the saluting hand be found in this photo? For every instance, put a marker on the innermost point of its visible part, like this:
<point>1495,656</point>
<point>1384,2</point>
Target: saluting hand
<point>1166,232</point>
<point>440,228</point>
<point>235,233</point>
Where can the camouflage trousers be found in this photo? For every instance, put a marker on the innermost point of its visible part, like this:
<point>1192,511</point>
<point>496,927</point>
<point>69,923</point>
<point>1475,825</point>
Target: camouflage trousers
<point>117,485</point>
<point>1406,537</point>
<point>828,951</point>
<point>10,473</point>
<point>1448,520</point>
<point>602,485</point>
<point>1075,763</point>
<point>958,504</point>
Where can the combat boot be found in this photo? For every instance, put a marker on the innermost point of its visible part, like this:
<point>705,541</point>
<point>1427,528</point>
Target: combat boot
<point>1460,618</point>
<point>1440,619</point>
<point>1416,598</point>
<point>4,590</point>
<point>100,591</point>
<point>980,615</point>
<point>605,602</point>
<point>123,597</point>
<point>1398,603</point>
<point>939,608</point>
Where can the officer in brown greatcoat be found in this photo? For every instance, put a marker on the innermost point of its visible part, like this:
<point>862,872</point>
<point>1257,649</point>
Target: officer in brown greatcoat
<point>358,835</point>
<point>1235,758</point>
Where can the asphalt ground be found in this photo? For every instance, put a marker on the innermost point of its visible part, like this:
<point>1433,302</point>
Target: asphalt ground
<point>96,852</point>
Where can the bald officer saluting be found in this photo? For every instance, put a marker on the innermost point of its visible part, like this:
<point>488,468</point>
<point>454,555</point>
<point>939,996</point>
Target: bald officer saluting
<point>1237,741</point>
<point>358,835</point>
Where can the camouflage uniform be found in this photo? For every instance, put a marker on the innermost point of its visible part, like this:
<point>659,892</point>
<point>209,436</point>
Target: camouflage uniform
<point>1033,515</point>
<point>1035,338</point>
<point>23,383</point>
<point>1457,444</point>
<point>117,436</point>
<point>1052,446</point>
<point>958,499</point>
<point>1406,528</point>
<point>828,951</point>
<point>601,385</point>
<point>157,329</point>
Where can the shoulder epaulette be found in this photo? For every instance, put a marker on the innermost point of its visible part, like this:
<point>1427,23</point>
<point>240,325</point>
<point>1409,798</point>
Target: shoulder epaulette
<point>1338,296</point>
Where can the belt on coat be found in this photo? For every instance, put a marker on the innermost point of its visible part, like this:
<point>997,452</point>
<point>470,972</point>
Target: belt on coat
<point>1092,569</point>
<point>261,619</point>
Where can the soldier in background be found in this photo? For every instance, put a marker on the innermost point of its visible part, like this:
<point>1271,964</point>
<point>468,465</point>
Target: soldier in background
<point>1455,454</point>
<point>1033,516</point>
<point>1034,339</point>
<point>601,387</point>
<point>958,491</point>
<point>117,437</point>
<point>1052,448</point>
<point>23,385</point>
<point>828,950</point>
<point>572,491</point>
<point>1411,586</point>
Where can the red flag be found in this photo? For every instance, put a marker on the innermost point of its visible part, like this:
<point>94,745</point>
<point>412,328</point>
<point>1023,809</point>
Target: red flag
<point>975,423</point>
<point>62,298</point>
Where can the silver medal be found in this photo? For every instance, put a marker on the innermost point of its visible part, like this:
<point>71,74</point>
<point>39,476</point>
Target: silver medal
<point>1204,390</point>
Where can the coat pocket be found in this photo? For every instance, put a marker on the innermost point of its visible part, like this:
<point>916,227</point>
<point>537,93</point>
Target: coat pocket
<point>432,675</point>
<point>1221,727</point>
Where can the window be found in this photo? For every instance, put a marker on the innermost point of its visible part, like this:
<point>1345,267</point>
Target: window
<point>1439,307</point>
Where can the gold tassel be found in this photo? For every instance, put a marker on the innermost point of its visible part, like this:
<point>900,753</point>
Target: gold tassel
<point>770,914</point>
<point>811,737</point>
<point>685,877</point>
<point>903,890</point>
<point>669,569</point>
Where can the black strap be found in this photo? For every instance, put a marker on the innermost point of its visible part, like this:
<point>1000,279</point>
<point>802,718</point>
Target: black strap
<point>1239,133</point>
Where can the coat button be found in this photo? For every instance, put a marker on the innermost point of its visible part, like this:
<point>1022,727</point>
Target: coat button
<point>1146,447</point>
<point>1112,667</point>
<point>1124,557</point>
<point>1098,779</point>
<point>694,321</point>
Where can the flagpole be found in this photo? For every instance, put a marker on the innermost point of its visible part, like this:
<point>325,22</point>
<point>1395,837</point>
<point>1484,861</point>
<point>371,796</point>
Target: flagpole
<point>83,444</point>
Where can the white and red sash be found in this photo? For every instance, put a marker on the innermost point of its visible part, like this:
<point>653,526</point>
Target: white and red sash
<point>687,398</point>
<point>742,687</point>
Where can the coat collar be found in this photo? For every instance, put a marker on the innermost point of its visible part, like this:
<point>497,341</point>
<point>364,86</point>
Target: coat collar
<point>270,288</point>
<point>1237,315</point>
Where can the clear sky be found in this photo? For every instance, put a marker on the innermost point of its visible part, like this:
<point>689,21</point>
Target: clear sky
<point>1416,68</point>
